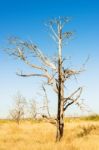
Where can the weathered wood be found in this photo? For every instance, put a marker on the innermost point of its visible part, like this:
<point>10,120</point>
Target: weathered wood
<point>60,114</point>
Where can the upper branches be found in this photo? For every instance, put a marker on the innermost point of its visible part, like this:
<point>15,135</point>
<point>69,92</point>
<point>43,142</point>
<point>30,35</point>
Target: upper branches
<point>58,24</point>
<point>27,51</point>
<point>24,50</point>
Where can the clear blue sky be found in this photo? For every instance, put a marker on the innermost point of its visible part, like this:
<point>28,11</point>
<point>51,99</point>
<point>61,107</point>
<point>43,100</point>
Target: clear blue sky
<point>26,18</point>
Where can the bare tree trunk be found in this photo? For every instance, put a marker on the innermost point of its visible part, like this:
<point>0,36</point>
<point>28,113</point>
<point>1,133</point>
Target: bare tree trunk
<point>60,113</point>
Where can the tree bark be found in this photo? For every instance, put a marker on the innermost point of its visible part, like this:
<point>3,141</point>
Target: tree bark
<point>60,113</point>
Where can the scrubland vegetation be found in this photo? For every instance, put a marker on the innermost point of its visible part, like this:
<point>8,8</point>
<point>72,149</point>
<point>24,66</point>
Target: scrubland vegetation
<point>79,134</point>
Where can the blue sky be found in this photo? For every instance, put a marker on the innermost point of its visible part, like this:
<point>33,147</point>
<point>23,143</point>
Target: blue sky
<point>26,19</point>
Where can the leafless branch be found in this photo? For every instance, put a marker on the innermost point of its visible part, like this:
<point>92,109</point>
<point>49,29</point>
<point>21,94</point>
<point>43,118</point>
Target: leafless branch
<point>71,98</point>
<point>22,49</point>
<point>53,31</point>
<point>29,75</point>
<point>46,75</point>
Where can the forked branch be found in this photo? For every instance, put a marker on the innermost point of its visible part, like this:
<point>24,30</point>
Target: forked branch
<point>73,98</point>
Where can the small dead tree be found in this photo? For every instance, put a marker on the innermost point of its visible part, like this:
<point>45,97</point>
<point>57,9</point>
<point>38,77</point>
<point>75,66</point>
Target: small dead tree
<point>54,72</point>
<point>45,105</point>
<point>33,109</point>
<point>18,111</point>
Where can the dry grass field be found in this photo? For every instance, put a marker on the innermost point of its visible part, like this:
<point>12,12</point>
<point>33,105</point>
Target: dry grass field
<point>79,134</point>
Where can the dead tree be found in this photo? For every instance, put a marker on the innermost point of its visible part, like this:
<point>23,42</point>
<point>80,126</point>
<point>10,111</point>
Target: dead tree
<point>18,111</point>
<point>55,73</point>
<point>45,105</point>
<point>33,109</point>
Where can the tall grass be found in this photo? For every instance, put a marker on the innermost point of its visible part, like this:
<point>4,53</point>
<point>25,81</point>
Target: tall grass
<point>40,135</point>
<point>93,117</point>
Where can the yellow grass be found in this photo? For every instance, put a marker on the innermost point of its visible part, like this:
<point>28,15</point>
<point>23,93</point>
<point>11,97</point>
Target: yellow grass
<point>78,135</point>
